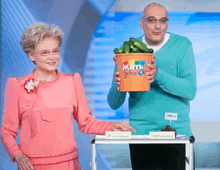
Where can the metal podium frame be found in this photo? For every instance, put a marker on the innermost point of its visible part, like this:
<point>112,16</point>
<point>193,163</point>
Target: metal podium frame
<point>144,139</point>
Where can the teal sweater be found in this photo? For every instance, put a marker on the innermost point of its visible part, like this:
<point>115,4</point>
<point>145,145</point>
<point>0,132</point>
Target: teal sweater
<point>173,87</point>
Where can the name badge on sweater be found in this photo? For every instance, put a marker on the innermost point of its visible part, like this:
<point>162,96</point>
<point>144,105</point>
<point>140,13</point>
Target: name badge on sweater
<point>170,116</point>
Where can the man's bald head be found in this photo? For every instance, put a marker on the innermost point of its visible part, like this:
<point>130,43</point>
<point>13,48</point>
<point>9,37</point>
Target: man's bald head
<point>153,5</point>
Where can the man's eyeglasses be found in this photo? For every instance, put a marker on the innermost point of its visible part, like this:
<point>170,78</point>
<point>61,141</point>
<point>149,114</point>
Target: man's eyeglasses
<point>151,20</point>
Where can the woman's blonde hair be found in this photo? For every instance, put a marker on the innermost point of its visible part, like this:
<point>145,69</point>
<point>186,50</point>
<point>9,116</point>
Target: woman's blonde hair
<point>37,32</point>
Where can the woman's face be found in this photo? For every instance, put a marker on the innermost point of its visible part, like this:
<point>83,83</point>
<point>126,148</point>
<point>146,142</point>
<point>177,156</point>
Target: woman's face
<point>46,55</point>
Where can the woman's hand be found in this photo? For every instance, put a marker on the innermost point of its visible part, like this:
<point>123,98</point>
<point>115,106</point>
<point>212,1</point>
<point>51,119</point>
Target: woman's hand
<point>153,71</point>
<point>117,79</point>
<point>24,163</point>
<point>118,126</point>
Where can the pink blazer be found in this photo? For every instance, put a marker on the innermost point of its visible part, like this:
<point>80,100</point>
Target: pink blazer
<point>45,118</point>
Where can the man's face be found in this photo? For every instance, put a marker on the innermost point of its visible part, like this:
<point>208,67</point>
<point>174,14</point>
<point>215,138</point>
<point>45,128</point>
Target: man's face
<point>154,24</point>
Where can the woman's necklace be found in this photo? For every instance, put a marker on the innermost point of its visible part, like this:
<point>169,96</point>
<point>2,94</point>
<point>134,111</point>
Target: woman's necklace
<point>44,81</point>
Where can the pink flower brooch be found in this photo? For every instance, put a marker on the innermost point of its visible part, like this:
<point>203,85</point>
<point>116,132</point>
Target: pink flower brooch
<point>30,85</point>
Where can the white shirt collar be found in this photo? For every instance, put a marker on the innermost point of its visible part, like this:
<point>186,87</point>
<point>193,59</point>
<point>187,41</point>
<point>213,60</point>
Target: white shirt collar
<point>156,48</point>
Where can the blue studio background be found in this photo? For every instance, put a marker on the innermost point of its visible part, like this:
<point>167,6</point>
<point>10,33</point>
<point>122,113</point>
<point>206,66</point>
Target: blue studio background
<point>93,28</point>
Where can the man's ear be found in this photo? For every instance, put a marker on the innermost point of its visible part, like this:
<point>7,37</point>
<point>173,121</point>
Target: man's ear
<point>31,56</point>
<point>141,23</point>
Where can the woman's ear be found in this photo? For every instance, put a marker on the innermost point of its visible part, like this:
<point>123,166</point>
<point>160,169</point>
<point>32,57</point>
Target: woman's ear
<point>31,56</point>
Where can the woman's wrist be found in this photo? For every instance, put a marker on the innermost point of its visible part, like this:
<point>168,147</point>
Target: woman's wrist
<point>19,155</point>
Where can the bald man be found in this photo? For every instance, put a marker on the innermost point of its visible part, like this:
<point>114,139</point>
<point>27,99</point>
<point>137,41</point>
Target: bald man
<point>173,86</point>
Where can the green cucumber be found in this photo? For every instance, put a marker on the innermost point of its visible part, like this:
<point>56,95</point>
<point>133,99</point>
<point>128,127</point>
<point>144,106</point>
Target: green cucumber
<point>121,50</point>
<point>135,50</point>
<point>116,51</point>
<point>139,45</point>
<point>151,50</point>
<point>131,46</point>
<point>126,47</point>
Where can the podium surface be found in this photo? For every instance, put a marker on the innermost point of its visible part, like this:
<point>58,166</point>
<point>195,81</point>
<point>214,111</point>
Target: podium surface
<point>144,139</point>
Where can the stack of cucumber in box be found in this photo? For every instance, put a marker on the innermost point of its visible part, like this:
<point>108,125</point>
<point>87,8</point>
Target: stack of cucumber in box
<point>133,46</point>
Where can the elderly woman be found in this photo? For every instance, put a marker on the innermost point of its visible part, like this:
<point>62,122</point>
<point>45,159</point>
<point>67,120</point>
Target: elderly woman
<point>43,105</point>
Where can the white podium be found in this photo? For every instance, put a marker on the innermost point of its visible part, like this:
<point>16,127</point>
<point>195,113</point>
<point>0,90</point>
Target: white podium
<point>143,139</point>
